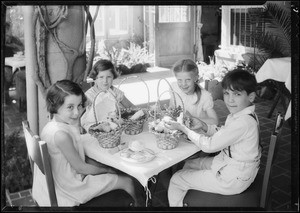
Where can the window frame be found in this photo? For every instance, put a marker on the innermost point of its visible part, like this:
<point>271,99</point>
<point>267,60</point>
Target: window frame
<point>226,26</point>
<point>105,17</point>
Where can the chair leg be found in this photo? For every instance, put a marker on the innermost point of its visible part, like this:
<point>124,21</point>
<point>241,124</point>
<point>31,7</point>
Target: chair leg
<point>277,97</point>
<point>283,102</point>
<point>7,194</point>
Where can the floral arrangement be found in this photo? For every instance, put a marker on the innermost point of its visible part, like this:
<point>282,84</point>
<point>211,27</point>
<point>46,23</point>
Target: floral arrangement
<point>112,123</point>
<point>211,71</point>
<point>108,132</point>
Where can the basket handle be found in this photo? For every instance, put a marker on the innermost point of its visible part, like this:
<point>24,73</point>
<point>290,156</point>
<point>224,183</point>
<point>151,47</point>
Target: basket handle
<point>158,103</point>
<point>135,76</point>
<point>117,104</point>
<point>158,84</point>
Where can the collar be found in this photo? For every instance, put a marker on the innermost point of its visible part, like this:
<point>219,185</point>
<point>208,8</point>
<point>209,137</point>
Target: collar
<point>248,110</point>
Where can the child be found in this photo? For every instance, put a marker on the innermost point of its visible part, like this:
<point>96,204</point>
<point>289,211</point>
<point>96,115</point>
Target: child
<point>235,167</point>
<point>197,101</point>
<point>103,74</point>
<point>76,181</point>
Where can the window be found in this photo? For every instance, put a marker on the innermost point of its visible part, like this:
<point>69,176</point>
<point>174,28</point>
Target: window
<point>118,20</point>
<point>111,21</point>
<point>236,26</point>
<point>168,14</point>
<point>241,26</point>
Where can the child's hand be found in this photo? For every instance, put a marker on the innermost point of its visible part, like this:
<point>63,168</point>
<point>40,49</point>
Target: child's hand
<point>196,123</point>
<point>173,125</point>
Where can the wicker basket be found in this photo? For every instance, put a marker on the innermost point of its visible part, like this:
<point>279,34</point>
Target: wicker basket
<point>134,127</point>
<point>107,139</point>
<point>165,140</point>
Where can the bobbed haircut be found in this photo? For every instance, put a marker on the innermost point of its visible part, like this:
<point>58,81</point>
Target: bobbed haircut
<point>58,91</point>
<point>103,65</point>
<point>239,79</point>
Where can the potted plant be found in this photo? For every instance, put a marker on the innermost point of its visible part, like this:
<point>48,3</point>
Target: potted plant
<point>127,60</point>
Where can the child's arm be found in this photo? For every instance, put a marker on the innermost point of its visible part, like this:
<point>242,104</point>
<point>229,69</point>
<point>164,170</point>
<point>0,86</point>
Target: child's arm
<point>85,120</point>
<point>98,164</point>
<point>221,138</point>
<point>65,143</point>
<point>211,118</point>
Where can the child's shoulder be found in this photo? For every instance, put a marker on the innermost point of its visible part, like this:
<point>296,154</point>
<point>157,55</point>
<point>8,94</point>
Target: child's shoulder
<point>248,118</point>
<point>205,94</point>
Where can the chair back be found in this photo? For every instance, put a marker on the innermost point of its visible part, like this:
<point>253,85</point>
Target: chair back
<point>272,153</point>
<point>38,154</point>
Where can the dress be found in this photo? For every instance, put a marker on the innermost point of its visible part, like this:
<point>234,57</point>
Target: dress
<point>72,188</point>
<point>104,104</point>
<point>227,175</point>
<point>197,110</point>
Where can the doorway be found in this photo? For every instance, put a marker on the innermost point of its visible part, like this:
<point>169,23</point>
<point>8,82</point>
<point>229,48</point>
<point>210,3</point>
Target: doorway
<point>174,34</point>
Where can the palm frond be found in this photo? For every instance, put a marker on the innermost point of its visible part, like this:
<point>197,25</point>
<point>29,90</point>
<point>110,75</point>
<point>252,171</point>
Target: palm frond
<point>278,23</point>
<point>275,41</point>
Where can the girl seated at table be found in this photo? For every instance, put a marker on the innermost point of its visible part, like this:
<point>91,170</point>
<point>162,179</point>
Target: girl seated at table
<point>197,101</point>
<point>103,74</point>
<point>77,180</point>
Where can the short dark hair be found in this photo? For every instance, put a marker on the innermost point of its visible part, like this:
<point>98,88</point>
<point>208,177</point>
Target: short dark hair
<point>102,65</point>
<point>239,79</point>
<point>57,92</point>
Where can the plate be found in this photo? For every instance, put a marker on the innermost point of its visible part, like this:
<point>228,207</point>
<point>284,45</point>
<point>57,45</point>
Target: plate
<point>143,156</point>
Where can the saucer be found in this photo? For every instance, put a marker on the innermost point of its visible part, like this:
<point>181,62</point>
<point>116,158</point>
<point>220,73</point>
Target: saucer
<point>143,156</point>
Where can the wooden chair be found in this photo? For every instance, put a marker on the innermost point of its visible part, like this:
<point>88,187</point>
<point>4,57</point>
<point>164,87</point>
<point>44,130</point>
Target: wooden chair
<point>38,154</point>
<point>256,196</point>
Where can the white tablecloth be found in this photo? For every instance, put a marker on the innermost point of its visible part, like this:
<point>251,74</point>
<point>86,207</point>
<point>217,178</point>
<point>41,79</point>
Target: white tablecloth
<point>15,62</point>
<point>278,69</point>
<point>141,171</point>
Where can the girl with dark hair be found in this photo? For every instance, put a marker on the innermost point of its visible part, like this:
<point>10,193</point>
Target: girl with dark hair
<point>77,179</point>
<point>103,74</point>
<point>197,101</point>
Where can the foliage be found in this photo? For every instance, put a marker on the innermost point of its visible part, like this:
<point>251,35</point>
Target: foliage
<point>212,71</point>
<point>275,42</point>
<point>16,171</point>
<point>14,16</point>
<point>126,58</point>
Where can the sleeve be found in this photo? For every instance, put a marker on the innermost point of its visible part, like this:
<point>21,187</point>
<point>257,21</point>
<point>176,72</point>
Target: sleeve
<point>208,102</point>
<point>89,95</point>
<point>87,119</point>
<point>119,94</point>
<point>224,137</point>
